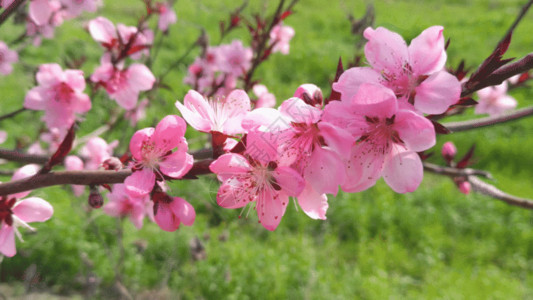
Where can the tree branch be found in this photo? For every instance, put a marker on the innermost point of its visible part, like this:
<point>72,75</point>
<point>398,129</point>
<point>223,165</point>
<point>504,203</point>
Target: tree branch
<point>492,191</point>
<point>85,177</point>
<point>455,172</point>
<point>9,10</point>
<point>489,121</point>
<point>13,155</point>
<point>12,114</point>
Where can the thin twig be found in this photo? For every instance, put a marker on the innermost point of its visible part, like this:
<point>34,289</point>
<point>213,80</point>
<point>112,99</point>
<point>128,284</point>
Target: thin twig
<point>12,114</point>
<point>489,121</point>
<point>455,172</point>
<point>489,190</point>
<point>519,18</point>
<point>9,10</point>
<point>13,155</point>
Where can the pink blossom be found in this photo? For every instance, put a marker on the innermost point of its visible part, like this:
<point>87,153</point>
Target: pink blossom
<point>152,152</point>
<point>123,85</point>
<point>115,39</point>
<point>414,73</point>
<point>138,113</point>
<point>7,58</point>
<point>494,100</point>
<point>386,139</point>
<point>167,16</point>
<point>234,58</point>
<point>170,212</point>
<point>59,94</point>
<point>37,32</point>
<point>221,114</point>
<point>281,35</point>
<point>18,213</point>
<point>96,151</point>
<point>247,180</point>
<point>464,187</point>
<point>73,8</point>
<point>74,163</point>
<point>41,11</point>
<point>24,172</point>
<point>121,204</point>
<point>265,99</point>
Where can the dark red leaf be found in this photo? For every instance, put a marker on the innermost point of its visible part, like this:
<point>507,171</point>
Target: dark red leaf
<point>466,101</point>
<point>285,15</point>
<point>439,128</point>
<point>447,44</point>
<point>137,48</point>
<point>334,94</point>
<point>465,161</point>
<point>61,152</point>
<point>424,156</point>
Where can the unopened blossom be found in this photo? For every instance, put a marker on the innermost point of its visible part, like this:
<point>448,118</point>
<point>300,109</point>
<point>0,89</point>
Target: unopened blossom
<point>245,180</point>
<point>234,58</point>
<point>59,94</point>
<point>386,139</point>
<point>415,73</point>
<point>464,186</point>
<point>152,151</point>
<point>7,58</point>
<point>310,94</point>
<point>167,16</point>
<point>16,213</point>
<point>265,99</point>
<point>221,114</point>
<point>281,35</point>
<point>121,204</point>
<point>448,151</point>
<point>115,39</point>
<point>123,85</point>
<point>494,100</point>
<point>170,212</point>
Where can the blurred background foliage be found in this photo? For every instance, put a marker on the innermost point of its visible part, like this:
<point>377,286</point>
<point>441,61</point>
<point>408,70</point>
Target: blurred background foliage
<point>433,243</point>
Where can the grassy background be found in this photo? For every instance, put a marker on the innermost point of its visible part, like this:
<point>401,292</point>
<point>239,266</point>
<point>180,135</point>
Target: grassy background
<point>433,243</point>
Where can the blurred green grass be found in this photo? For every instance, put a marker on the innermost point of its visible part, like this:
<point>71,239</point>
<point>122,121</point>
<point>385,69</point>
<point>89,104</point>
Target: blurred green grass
<point>433,243</point>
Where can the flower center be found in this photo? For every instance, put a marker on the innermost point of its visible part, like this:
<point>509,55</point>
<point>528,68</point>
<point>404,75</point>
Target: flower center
<point>380,133</point>
<point>63,92</point>
<point>118,80</point>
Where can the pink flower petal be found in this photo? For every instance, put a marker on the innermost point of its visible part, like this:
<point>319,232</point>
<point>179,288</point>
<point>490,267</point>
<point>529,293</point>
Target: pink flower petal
<point>24,172</point>
<point>140,77</point>
<point>140,183</point>
<point>426,51</point>
<point>3,136</point>
<point>183,210</point>
<point>290,181</point>
<point>403,170</point>
<point>415,131</point>
<point>197,111</point>
<point>336,138</point>
<point>40,11</point>
<point>139,138</point>
<point>7,240</point>
<point>271,208</point>
<point>176,164</point>
<point>265,118</point>
<point>49,75</point>
<point>325,171</point>
<point>165,217</point>
<point>385,50</point>
<point>102,30</point>
<point>36,98</point>
<point>350,81</point>
<point>169,133</point>
<point>435,94</point>
<point>363,169</point>
<point>228,165</point>
<point>298,111</point>
<point>315,205</point>
<point>33,209</point>
<point>374,100</point>
<point>236,192</point>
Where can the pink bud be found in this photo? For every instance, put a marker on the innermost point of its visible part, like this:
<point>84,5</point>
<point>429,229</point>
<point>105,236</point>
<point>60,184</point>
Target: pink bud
<point>464,187</point>
<point>448,151</point>
<point>112,163</point>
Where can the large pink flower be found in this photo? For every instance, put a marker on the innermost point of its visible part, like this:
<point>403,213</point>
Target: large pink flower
<point>221,114</point>
<point>386,139</point>
<point>152,151</point>
<point>123,85</point>
<point>494,100</point>
<point>59,94</point>
<point>268,185</point>
<point>414,73</point>
<point>121,204</point>
<point>7,58</point>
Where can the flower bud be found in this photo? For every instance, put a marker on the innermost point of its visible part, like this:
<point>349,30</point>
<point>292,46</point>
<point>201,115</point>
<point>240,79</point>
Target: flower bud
<point>448,151</point>
<point>112,163</point>
<point>95,198</point>
<point>464,187</point>
<point>310,93</point>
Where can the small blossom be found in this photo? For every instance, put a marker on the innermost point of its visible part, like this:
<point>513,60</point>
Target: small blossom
<point>281,35</point>
<point>167,16</point>
<point>7,58</point>
<point>234,58</point>
<point>121,204</point>
<point>265,99</point>
<point>170,212</point>
<point>494,100</point>
<point>152,151</point>
<point>448,151</point>
<point>59,94</point>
